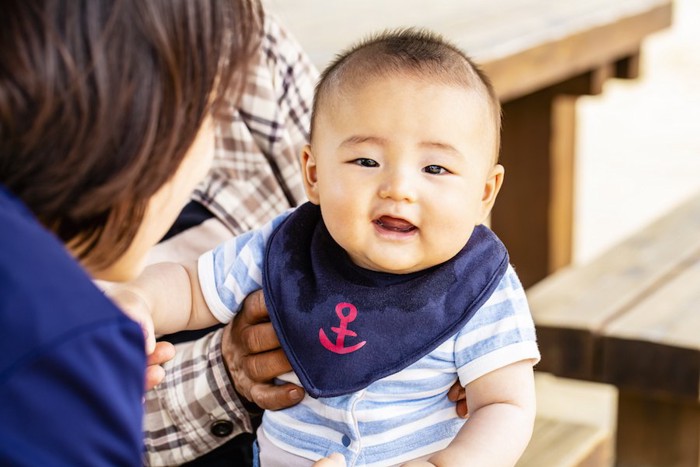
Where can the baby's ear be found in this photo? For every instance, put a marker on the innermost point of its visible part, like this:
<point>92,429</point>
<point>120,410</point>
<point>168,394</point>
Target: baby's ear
<point>493,184</point>
<point>309,174</point>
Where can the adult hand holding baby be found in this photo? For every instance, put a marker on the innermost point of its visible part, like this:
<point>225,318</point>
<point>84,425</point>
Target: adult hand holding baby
<point>254,357</point>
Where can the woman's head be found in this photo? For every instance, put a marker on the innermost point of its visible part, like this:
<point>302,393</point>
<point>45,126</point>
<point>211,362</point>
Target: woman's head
<point>100,102</point>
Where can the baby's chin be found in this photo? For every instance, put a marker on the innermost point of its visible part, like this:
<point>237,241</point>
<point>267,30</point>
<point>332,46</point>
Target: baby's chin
<point>394,267</point>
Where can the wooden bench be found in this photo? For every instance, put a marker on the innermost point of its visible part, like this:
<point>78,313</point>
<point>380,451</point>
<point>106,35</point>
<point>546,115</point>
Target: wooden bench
<point>575,425</point>
<point>631,318</point>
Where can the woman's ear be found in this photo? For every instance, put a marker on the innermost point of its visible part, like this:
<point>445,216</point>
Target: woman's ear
<point>493,184</point>
<point>309,174</point>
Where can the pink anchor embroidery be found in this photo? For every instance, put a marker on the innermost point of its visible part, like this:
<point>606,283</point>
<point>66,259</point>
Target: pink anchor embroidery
<point>342,331</point>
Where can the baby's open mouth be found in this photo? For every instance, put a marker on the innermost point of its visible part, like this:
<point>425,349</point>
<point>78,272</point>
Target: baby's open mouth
<point>394,224</point>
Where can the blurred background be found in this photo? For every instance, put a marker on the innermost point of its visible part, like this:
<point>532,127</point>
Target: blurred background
<point>639,141</point>
<point>638,148</point>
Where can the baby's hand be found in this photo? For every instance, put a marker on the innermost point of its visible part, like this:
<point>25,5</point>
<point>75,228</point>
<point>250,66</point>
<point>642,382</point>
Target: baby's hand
<point>135,307</point>
<point>334,460</point>
<point>155,373</point>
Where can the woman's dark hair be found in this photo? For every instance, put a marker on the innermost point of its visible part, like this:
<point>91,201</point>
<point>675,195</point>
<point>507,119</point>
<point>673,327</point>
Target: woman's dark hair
<point>101,99</point>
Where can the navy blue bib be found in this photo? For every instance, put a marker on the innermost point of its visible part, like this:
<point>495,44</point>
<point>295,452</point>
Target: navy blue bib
<point>344,327</point>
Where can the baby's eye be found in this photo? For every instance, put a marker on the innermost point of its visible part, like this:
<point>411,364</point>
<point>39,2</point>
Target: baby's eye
<point>435,170</point>
<point>364,162</point>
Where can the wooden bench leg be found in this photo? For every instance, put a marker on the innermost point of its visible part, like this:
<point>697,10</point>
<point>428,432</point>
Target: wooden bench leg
<point>657,432</point>
<point>534,212</point>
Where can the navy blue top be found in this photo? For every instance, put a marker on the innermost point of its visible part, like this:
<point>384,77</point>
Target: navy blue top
<point>71,363</point>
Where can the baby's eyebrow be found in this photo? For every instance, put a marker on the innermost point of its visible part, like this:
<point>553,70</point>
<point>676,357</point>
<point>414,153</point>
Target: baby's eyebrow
<point>441,146</point>
<point>379,141</point>
<point>360,139</point>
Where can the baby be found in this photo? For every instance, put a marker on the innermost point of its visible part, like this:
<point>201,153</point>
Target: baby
<point>385,288</point>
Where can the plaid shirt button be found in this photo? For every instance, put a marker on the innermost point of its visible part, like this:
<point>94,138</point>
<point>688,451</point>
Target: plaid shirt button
<point>222,428</point>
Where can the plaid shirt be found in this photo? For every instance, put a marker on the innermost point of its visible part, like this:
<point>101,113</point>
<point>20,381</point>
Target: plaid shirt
<point>255,176</point>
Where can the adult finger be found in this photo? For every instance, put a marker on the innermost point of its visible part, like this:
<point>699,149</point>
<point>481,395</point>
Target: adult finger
<point>462,408</point>
<point>263,367</point>
<point>274,397</point>
<point>254,310</point>
<point>458,394</point>
<point>261,337</point>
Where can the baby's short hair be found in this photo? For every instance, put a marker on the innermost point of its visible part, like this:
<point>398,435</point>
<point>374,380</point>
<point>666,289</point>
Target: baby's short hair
<point>411,51</point>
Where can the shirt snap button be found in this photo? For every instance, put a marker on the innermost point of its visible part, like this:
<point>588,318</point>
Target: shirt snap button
<point>346,441</point>
<point>221,428</point>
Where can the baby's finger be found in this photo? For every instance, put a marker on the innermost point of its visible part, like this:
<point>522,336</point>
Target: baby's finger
<point>154,375</point>
<point>163,352</point>
<point>334,460</point>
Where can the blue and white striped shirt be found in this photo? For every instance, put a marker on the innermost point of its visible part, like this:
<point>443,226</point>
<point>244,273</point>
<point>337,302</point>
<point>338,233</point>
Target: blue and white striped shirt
<point>397,418</point>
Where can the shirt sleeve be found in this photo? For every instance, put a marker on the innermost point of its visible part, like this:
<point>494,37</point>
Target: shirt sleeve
<point>501,333</point>
<point>233,270</point>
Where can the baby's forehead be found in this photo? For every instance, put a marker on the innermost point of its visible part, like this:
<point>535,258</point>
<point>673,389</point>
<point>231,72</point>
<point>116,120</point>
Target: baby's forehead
<point>352,91</point>
<point>369,66</point>
<point>340,88</point>
<point>356,71</point>
<point>384,101</point>
<point>408,52</point>
<point>466,104</point>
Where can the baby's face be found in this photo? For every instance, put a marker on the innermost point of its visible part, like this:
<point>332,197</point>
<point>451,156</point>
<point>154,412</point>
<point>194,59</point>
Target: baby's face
<point>403,170</point>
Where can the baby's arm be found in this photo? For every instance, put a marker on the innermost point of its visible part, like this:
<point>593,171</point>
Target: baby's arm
<point>169,296</point>
<point>501,417</point>
<point>165,298</point>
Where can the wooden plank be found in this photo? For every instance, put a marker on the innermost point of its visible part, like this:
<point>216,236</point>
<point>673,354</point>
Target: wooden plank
<point>655,345</point>
<point>581,402</point>
<point>572,307</point>
<point>589,297</point>
<point>575,424</point>
<point>670,313</point>
<point>524,45</point>
<point>658,370</point>
<point>572,353</point>
<point>652,353</point>
<point>577,52</point>
<point>558,443</point>
<point>657,432</point>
